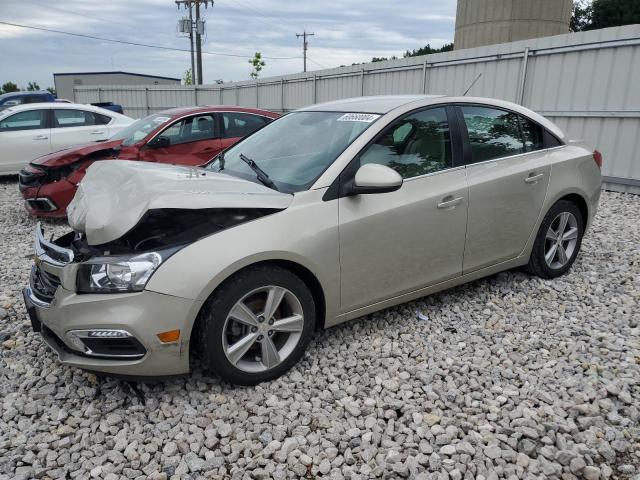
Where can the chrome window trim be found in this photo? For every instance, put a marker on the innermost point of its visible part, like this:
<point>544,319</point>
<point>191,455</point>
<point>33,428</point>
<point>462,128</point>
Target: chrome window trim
<point>510,157</point>
<point>444,170</point>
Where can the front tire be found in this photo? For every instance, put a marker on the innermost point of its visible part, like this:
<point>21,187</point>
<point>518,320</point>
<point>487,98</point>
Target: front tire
<point>558,241</point>
<point>257,325</point>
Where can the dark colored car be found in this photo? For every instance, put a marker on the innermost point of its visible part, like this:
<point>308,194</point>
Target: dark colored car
<point>114,107</point>
<point>18,98</point>
<point>184,136</point>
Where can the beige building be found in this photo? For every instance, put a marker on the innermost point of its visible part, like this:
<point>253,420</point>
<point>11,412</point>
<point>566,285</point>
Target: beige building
<point>487,22</point>
<point>64,82</point>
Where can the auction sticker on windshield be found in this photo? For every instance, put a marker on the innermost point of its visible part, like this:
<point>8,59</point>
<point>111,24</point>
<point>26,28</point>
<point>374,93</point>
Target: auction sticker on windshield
<point>359,117</point>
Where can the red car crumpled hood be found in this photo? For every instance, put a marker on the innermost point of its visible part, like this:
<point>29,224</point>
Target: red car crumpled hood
<point>71,155</point>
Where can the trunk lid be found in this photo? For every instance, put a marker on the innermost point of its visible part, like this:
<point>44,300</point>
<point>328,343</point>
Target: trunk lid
<point>115,194</point>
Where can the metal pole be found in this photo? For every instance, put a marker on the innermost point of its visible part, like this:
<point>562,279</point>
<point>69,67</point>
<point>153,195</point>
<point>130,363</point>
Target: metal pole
<point>257,94</point>
<point>195,95</point>
<point>198,45</point>
<point>424,77</point>
<point>193,63</point>
<point>315,91</point>
<point>282,95</point>
<point>146,99</point>
<point>523,76</point>
<point>362,82</point>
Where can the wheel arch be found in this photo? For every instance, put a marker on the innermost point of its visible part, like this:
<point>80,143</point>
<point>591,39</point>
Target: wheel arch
<point>306,275</point>
<point>579,202</point>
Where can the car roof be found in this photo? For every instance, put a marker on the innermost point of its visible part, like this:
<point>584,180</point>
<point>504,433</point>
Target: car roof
<point>180,111</point>
<point>374,104</point>
<point>58,106</point>
<point>23,94</point>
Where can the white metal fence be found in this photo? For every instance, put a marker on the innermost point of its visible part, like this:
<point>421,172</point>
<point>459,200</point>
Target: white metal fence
<point>588,83</point>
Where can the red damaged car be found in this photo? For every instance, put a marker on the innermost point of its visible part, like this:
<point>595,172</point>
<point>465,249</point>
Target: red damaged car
<point>186,136</point>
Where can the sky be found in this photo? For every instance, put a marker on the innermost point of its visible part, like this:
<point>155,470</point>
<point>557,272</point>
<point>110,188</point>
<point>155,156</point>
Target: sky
<point>346,32</point>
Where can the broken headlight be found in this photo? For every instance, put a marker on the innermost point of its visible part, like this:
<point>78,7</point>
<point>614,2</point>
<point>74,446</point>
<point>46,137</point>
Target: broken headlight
<point>118,274</point>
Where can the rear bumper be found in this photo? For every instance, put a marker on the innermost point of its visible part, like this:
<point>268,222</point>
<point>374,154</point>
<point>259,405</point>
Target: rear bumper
<point>142,315</point>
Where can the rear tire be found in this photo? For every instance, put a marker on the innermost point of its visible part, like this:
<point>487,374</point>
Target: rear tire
<point>558,241</point>
<point>256,325</point>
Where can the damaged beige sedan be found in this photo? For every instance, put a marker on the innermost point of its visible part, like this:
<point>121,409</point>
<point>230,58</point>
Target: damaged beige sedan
<point>327,214</point>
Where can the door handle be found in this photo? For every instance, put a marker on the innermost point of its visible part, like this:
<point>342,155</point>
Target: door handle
<point>533,178</point>
<point>449,203</point>
<point>97,132</point>
<point>41,137</point>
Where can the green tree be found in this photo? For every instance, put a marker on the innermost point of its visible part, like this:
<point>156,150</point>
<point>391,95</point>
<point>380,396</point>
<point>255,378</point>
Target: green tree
<point>614,13</point>
<point>9,87</point>
<point>51,90</point>
<point>256,64</point>
<point>428,50</point>
<point>581,16</point>
<point>33,87</point>
<point>187,78</point>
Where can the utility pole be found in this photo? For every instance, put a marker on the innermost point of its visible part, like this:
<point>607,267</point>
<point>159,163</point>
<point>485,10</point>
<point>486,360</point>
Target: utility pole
<point>305,45</point>
<point>199,26</point>
<point>188,26</point>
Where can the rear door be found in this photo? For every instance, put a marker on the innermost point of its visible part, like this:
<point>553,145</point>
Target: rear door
<point>192,141</point>
<point>508,174</point>
<point>76,127</point>
<point>24,136</point>
<point>237,125</point>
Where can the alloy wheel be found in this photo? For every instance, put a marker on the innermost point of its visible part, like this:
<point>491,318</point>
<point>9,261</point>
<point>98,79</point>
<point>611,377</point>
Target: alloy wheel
<point>561,240</point>
<point>262,329</point>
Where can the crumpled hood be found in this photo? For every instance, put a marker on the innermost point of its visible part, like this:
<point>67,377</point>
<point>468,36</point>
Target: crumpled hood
<point>115,194</point>
<point>71,155</point>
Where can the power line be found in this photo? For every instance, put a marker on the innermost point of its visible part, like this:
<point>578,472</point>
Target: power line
<point>317,63</point>
<point>124,42</point>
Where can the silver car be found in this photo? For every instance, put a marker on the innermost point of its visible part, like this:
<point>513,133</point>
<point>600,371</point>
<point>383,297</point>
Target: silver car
<point>329,213</point>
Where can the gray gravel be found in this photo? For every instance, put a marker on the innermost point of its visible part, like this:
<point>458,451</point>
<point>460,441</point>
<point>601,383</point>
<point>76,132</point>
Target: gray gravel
<point>508,377</point>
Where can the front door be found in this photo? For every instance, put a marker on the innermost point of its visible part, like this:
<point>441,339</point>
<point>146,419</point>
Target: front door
<point>508,176</point>
<point>398,242</point>
<point>192,140</point>
<point>24,136</point>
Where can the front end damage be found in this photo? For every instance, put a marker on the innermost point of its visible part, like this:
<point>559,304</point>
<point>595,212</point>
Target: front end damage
<point>49,183</point>
<point>87,294</point>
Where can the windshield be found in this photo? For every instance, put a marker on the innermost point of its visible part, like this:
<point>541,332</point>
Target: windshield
<point>295,149</point>
<point>140,129</point>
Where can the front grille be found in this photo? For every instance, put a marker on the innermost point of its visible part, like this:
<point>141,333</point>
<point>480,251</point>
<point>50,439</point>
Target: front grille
<point>43,284</point>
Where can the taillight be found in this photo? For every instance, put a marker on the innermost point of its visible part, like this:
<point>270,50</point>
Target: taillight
<point>597,157</point>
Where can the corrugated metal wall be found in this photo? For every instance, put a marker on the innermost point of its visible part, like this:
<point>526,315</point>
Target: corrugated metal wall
<point>588,83</point>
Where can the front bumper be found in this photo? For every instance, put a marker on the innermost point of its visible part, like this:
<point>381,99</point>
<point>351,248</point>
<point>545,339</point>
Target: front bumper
<point>55,311</point>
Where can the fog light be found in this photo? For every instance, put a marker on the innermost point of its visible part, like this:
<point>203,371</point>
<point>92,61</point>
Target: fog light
<point>170,336</point>
<point>106,343</point>
<point>75,341</point>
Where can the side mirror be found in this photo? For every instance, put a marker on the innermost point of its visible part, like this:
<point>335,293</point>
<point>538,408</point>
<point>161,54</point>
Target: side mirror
<point>159,142</point>
<point>374,178</point>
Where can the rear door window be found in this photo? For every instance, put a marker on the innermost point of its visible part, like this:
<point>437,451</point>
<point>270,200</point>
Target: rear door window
<point>29,120</point>
<point>493,133</point>
<point>533,136</point>
<point>238,124</point>
<point>68,117</point>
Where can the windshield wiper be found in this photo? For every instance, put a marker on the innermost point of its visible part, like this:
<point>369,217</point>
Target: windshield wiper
<point>263,177</point>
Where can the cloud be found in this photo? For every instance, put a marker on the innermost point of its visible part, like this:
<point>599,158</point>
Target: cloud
<point>346,31</point>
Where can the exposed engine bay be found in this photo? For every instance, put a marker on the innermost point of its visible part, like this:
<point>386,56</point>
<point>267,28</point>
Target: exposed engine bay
<point>163,228</point>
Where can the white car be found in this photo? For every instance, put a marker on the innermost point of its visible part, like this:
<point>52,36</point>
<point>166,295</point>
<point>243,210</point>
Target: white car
<point>35,129</point>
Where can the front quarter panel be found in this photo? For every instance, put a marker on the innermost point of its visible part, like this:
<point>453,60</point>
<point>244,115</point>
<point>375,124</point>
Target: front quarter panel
<point>305,233</point>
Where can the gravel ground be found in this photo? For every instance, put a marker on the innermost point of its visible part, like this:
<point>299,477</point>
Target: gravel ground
<point>507,377</point>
